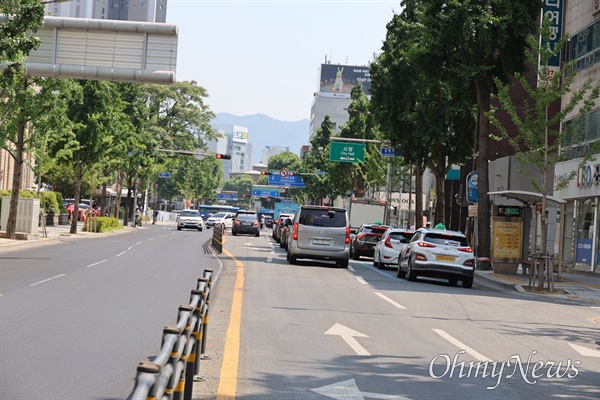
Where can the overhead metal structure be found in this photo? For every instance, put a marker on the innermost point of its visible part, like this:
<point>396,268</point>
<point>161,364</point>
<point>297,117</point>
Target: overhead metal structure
<point>100,49</point>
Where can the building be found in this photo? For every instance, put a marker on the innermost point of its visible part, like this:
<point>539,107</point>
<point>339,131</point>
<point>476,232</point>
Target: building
<point>124,10</point>
<point>270,151</point>
<point>7,165</point>
<point>234,141</point>
<point>333,96</point>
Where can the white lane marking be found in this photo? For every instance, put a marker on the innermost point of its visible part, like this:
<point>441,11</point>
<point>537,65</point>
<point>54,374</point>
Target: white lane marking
<point>379,271</point>
<point>99,262</point>
<point>47,280</point>
<point>347,390</point>
<point>461,345</point>
<point>348,335</point>
<point>269,259</point>
<point>130,247</point>
<point>151,239</point>
<point>351,268</point>
<point>166,235</point>
<point>361,280</point>
<point>138,243</point>
<point>584,351</point>
<point>594,307</point>
<point>121,253</point>
<point>272,252</point>
<point>392,302</point>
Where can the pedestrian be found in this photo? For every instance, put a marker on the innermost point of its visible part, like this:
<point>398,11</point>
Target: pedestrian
<point>262,222</point>
<point>154,217</point>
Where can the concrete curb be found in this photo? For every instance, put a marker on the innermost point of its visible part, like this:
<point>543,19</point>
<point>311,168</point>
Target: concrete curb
<point>496,282</point>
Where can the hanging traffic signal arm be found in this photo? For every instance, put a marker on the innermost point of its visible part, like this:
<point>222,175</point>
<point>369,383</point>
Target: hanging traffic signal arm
<point>266,173</point>
<point>223,156</point>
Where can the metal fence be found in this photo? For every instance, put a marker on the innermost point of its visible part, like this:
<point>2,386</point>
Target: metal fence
<point>172,373</point>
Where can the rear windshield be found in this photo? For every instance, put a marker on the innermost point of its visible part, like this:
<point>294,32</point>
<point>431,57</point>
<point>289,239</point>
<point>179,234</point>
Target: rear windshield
<point>401,235</point>
<point>319,217</point>
<point>247,217</point>
<point>379,230</point>
<point>447,239</point>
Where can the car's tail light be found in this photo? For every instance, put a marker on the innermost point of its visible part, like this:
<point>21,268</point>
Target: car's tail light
<point>420,257</point>
<point>425,244</point>
<point>465,249</point>
<point>360,236</point>
<point>347,235</point>
<point>295,233</point>
<point>388,243</point>
<point>255,224</point>
<point>469,263</point>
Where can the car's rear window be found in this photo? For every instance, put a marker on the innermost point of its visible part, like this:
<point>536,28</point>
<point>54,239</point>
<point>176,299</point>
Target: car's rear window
<point>446,239</point>
<point>379,230</point>
<point>322,217</point>
<point>401,235</point>
<point>247,217</point>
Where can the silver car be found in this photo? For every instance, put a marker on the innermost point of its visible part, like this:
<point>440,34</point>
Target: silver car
<point>438,253</point>
<point>319,233</point>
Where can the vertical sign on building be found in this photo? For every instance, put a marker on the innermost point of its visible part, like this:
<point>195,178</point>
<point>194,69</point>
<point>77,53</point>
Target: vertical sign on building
<point>553,10</point>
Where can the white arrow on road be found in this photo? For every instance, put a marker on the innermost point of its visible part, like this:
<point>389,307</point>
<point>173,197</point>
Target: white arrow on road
<point>584,351</point>
<point>347,390</point>
<point>348,335</point>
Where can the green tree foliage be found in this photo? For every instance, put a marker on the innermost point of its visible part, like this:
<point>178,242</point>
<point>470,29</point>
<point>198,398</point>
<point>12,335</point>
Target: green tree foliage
<point>242,184</point>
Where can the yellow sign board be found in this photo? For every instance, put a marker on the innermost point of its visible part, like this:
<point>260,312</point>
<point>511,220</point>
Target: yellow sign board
<point>507,239</point>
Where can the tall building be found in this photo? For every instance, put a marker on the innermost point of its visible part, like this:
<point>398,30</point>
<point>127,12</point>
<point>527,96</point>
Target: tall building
<point>333,96</point>
<point>124,10</point>
<point>270,151</point>
<point>235,141</point>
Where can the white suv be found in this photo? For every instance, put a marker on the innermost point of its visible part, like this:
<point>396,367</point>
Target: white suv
<point>438,253</point>
<point>320,233</point>
<point>190,219</point>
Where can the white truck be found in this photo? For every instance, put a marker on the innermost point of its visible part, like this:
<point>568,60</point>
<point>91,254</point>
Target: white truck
<point>366,211</point>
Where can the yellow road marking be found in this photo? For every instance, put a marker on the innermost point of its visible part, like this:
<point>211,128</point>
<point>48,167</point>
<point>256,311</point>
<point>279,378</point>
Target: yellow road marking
<point>229,369</point>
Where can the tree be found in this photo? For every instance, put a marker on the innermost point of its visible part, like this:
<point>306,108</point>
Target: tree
<point>242,184</point>
<point>540,136</point>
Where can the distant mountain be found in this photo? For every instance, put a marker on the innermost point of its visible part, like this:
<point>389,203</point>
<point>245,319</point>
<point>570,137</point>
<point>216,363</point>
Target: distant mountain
<point>266,131</point>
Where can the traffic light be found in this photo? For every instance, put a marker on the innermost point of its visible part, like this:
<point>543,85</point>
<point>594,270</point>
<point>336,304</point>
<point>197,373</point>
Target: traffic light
<point>223,156</point>
<point>265,172</point>
<point>244,195</point>
<point>292,173</point>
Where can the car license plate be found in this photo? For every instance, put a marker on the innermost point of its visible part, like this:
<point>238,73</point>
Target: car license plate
<point>445,258</point>
<point>317,241</point>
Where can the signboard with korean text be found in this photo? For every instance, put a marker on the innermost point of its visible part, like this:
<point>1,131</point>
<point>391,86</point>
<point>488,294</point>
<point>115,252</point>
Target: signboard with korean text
<point>265,191</point>
<point>507,239</point>
<point>227,196</point>
<point>164,174</point>
<point>553,10</point>
<point>473,187</point>
<point>347,152</point>
<point>289,180</point>
<point>339,80</point>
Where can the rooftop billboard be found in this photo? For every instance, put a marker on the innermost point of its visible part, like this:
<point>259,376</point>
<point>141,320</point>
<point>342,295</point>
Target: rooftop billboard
<point>338,80</point>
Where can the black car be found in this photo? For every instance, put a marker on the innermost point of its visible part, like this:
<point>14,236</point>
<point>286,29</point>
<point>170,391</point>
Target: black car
<point>246,223</point>
<point>367,236</point>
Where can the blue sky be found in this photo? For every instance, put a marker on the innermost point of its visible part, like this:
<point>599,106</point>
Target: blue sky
<point>264,56</point>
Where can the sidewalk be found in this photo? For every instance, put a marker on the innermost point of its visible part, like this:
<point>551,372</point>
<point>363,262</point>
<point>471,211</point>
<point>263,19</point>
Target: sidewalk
<point>580,286</point>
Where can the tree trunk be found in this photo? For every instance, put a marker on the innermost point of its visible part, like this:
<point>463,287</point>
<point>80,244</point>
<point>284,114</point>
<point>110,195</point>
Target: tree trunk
<point>483,210</point>
<point>11,223</point>
<point>440,203</point>
<point>75,215</point>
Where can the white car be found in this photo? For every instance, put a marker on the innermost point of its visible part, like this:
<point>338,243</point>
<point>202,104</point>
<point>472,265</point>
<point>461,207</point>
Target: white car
<point>389,246</point>
<point>190,219</point>
<point>222,218</point>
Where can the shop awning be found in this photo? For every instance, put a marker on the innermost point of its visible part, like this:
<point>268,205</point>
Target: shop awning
<point>528,198</point>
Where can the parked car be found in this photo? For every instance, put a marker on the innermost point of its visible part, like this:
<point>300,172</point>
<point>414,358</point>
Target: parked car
<point>269,221</point>
<point>367,236</point>
<point>246,223</point>
<point>190,219</point>
<point>278,225</point>
<point>83,211</point>
<point>389,246</point>
<point>285,233</point>
<point>222,218</point>
<point>438,253</point>
<point>320,233</point>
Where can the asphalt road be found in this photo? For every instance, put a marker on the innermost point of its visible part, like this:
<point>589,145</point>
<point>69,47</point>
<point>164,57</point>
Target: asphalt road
<point>314,331</point>
<point>76,318</point>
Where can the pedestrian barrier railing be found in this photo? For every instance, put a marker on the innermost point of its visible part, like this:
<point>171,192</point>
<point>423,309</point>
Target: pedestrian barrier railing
<point>172,373</point>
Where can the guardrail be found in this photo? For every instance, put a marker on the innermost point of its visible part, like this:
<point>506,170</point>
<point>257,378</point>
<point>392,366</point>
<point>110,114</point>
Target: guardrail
<point>172,373</point>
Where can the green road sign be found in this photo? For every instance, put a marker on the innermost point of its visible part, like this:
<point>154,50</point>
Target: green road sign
<point>347,152</point>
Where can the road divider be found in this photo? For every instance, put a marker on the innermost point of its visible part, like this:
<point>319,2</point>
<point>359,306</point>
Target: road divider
<point>177,366</point>
<point>218,238</point>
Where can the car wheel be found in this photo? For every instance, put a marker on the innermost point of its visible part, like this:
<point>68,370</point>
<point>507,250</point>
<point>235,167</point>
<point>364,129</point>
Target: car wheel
<point>411,275</point>
<point>467,283</point>
<point>282,245</point>
<point>342,263</point>
<point>355,255</point>
<point>287,256</point>
<point>200,229</point>
<point>257,234</point>
<point>375,263</point>
<point>234,233</point>
<point>452,282</point>
<point>400,273</point>
<point>178,228</point>
<point>292,259</point>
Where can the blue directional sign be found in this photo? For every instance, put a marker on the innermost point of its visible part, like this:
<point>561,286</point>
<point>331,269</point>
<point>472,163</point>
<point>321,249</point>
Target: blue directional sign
<point>164,174</point>
<point>388,152</point>
<point>291,181</point>
<point>227,196</point>
<point>265,192</point>
<point>473,187</point>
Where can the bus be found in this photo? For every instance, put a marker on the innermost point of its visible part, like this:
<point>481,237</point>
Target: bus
<point>205,210</point>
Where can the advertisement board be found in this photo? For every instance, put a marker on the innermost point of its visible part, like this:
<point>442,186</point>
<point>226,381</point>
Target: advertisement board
<point>507,239</point>
<point>338,80</point>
